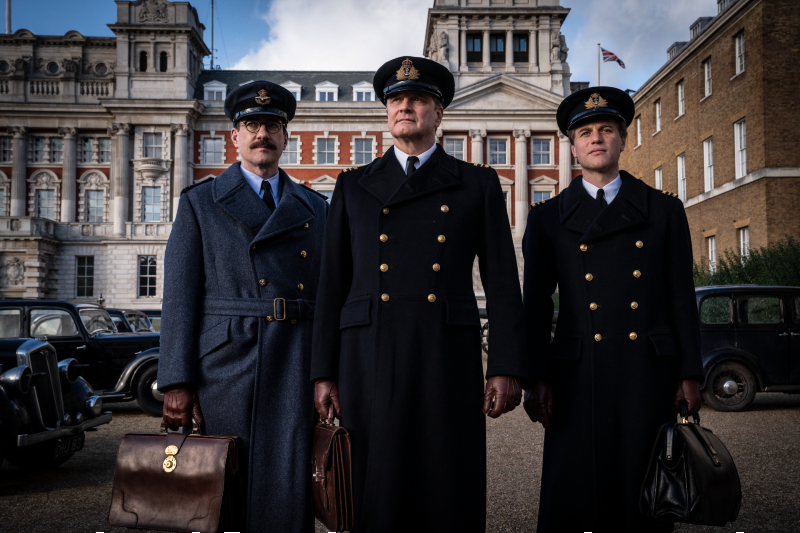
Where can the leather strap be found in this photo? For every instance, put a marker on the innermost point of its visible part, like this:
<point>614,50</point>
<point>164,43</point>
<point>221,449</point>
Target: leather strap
<point>701,432</point>
<point>670,439</point>
<point>177,440</point>
<point>279,308</point>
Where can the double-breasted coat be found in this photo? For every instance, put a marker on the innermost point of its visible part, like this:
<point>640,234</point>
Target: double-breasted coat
<point>627,333</point>
<point>397,326</point>
<point>227,261</point>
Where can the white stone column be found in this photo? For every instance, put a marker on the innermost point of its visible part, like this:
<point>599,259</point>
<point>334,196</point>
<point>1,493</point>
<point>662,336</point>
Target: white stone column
<point>533,59</point>
<point>19,157</point>
<point>564,162</point>
<point>181,176</point>
<point>69,175</point>
<point>510,50</point>
<point>544,44</point>
<point>487,64</point>
<point>477,145</point>
<point>462,46</point>
<point>521,201</point>
<point>121,178</point>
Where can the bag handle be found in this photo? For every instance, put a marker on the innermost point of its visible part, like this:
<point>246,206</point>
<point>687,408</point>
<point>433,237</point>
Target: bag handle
<point>685,413</point>
<point>699,431</point>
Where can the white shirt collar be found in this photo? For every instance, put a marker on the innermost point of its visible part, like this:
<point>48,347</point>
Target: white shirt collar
<point>254,180</point>
<point>610,190</point>
<point>402,157</point>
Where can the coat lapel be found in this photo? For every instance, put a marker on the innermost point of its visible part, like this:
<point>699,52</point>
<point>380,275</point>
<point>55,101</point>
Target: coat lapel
<point>293,210</point>
<point>235,196</point>
<point>383,178</point>
<point>577,209</point>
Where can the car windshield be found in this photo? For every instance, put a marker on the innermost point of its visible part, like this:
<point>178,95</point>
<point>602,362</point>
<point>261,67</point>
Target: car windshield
<point>139,322</point>
<point>97,320</point>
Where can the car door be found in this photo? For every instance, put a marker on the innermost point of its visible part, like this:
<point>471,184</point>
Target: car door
<point>762,331</point>
<point>716,323</point>
<point>793,300</point>
<point>58,326</point>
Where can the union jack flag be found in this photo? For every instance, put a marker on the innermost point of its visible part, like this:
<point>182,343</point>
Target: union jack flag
<point>610,56</point>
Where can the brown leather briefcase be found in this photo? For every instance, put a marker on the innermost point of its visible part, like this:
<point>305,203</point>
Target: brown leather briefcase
<point>332,477</point>
<point>177,482</point>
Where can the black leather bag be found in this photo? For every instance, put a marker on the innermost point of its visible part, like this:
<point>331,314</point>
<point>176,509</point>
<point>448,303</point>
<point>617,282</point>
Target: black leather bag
<point>691,477</point>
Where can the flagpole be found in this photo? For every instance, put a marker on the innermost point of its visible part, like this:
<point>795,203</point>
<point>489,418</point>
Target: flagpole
<point>598,64</point>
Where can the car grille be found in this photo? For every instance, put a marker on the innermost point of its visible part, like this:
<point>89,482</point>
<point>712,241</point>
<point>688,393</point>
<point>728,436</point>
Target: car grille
<point>48,388</point>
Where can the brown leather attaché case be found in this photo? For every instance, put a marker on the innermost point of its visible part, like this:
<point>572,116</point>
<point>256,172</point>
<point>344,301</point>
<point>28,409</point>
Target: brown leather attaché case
<point>332,477</point>
<point>177,482</point>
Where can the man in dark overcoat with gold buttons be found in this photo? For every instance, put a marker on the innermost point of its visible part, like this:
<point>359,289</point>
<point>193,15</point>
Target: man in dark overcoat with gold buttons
<point>240,281</point>
<point>397,353</point>
<point>627,345</point>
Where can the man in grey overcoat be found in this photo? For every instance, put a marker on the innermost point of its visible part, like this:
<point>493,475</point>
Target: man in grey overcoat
<point>240,281</point>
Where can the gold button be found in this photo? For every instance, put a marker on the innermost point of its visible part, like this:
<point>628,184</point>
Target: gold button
<point>303,253</point>
<point>441,238</point>
<point>589,277</point>
<point>639,244</point>
<point>431,298</point>
<point>300,286</point>
<point>637,274</point>
<point>384,267</point>
<point>269,318</point>
<point>385,297</point>
<point>598,337</point>
<point>252,248</point>
<point>593,306</point>
<point>634,305</point>
<point>305,225</point>
<point>385,210</point>
<point>584,247</point>
<point>384,238</point>
<point>262,282</point>
<point>445,209</point>
<point>436,267</point>
<point>633,336</point>
<point>293,321</point>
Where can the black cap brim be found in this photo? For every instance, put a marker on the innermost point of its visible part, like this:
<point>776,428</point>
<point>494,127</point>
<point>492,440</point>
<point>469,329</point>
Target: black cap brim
<point>580,117</point>
<point>258,111</point>
<point>411,86</point>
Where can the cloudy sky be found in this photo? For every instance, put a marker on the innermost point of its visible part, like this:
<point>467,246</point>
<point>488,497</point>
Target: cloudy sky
<point>361,34</point>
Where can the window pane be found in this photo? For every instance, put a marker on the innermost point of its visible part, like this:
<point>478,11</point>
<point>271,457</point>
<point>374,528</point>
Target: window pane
<point>363,151</point>
<point>759,310</point>
<point>715,310</point>
<point>52,323</point>
<point>46,204</point>
<point>9,323</point>
<point>151,204</point>
<point>94,201</point>
<point>85,276</point>
<point>147,275</point>
<point>289,156</point>
<point>541,152</point>
<point>540,196</point>
<point>497,152</point>
<point>454,147</point>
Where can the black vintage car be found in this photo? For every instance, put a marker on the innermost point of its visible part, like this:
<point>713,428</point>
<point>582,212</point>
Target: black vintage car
<point>750,341</point>
<point>154,315</point>
<point>119,366</point>
<point>45,406</point>
<point>131,321</point>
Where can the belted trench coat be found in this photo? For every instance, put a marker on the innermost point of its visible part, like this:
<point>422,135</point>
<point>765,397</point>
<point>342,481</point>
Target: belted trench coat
<point>397,326</point>
<point>239,289</point>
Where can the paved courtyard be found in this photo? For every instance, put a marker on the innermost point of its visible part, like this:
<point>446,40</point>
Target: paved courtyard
<point>764,441</point>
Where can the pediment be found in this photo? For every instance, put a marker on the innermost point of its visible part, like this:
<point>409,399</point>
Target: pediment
<point>503,92</point>
<point>322,180</point>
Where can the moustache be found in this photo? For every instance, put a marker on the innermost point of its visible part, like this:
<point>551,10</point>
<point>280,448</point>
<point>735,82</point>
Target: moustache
<point>265,144</point>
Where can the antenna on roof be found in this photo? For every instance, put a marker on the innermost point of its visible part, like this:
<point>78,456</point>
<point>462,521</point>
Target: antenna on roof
<point>8,17</point>
<point>212,33</point>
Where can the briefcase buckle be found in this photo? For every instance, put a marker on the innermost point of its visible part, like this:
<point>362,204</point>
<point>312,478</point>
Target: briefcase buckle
<point>275,308</point>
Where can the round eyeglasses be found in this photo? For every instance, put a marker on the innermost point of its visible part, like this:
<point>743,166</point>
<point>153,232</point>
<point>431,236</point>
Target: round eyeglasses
<point>253,126</point>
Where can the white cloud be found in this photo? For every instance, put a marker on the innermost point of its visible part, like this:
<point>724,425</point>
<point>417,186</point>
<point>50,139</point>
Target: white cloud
<point>638,32</point>
<point>338,35</point>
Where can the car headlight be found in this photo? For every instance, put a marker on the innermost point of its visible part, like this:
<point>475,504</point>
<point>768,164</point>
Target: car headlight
<point>69,370</point>
<point>94,405</point>
<point>18,381</point>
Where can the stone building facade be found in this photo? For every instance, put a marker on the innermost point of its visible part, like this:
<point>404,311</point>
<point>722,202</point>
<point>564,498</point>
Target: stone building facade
<point>714,125</point>
<point>98,135</point>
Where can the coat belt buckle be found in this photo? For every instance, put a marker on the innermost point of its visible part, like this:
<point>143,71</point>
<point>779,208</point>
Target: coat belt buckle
<point>275,308</point>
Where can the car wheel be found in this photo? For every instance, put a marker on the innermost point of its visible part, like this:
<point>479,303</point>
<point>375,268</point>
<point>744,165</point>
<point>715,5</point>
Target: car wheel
<point>730,387</point>
<point>30,457</point>
<point>150,400</point>
<point>485,338</point>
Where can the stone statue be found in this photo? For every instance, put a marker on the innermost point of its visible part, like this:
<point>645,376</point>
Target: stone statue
<point>444,49</point>
<point>433,48</point>
<point>555,46</point>
<point>563,47</point>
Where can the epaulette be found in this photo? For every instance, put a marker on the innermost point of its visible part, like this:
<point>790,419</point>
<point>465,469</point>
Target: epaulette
<point>351,168</point>
<point>674,195</point>
<point>481,165</point>
<point>540,203</point>
<point>193,185</point>
<point>317,193</point>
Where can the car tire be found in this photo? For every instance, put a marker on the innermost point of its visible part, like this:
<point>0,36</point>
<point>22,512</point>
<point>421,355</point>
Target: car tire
<point>29,458</point>
<point>143,389</point>
<point>716,395</point>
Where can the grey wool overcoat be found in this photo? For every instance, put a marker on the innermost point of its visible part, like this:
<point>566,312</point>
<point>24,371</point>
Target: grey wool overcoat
<point>227,261</point>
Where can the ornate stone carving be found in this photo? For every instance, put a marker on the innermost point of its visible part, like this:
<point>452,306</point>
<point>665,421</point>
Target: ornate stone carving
<point>14,271</point>
<point>444,49</point>
<point>22,64</point>
<point>555,46</point>
<point>86,230</point>
<point>477,133</point>
<point>433,48</point>
<point>519,134</point>
<point>149,229</point>
<point>563,49</point>
<point>15,224</point>
<point>71,65</point>
<point>153,11</point>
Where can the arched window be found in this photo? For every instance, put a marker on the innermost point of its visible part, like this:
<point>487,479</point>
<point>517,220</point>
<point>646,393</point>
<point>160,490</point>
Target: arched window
<point>163,62</point>
<point>143,61</point>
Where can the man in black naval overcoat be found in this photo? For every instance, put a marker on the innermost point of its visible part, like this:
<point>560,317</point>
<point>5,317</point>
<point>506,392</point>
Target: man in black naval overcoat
<point>626,349</point>
<point>240,280</point>
<point>396,352</point>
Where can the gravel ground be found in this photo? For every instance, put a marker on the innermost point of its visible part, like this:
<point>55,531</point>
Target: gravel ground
<point>764,442</point>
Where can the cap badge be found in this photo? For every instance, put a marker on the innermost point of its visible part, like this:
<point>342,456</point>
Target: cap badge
<point>596,101</point>
<point>407,71</point>
<point>262,97</point>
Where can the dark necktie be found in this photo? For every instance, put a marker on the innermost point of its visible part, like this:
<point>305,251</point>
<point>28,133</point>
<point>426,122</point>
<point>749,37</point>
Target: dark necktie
<point>268,199</point>
<point>410,162</point>
<point>601,198</point>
